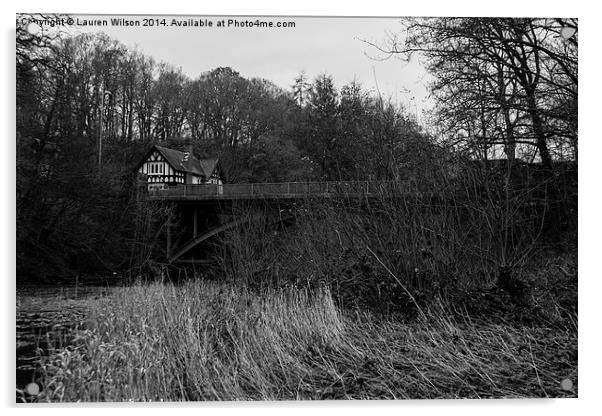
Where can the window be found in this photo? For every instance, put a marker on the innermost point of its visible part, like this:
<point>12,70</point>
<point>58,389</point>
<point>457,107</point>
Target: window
<point>156,168</point>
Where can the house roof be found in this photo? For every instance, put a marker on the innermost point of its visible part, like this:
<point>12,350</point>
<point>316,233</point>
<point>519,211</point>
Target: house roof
<point>179,161</point>
<point>208,165</point>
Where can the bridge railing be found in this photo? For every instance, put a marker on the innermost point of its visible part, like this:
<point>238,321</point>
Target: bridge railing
<point>282,189</point>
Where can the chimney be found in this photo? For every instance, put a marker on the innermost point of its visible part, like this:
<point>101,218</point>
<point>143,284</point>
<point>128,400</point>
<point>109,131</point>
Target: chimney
<point>188,147</point>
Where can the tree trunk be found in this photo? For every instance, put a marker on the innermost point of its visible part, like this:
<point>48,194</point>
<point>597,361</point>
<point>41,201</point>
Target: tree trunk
<point>540,136</point>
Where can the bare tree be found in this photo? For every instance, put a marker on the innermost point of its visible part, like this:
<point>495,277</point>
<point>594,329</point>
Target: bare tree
<point>499,81</point>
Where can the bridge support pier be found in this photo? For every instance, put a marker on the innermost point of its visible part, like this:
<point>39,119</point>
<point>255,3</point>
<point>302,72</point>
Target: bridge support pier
<point>168,235</point>
<point>195,222</point>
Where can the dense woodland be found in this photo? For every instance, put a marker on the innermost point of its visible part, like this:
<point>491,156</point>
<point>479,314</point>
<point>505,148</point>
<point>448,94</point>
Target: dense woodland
<point>503,89</point>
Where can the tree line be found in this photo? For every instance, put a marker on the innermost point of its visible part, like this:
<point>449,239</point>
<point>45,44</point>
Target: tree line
<point>90,85</point>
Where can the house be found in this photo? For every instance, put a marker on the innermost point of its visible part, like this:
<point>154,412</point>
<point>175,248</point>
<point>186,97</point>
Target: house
<point>163,167</point>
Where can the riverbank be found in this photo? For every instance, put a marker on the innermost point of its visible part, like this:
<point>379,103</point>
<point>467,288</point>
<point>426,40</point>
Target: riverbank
<point>47,317</point>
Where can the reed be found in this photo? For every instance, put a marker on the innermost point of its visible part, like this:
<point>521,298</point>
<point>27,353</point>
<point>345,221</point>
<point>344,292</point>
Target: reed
<point>210,341</point>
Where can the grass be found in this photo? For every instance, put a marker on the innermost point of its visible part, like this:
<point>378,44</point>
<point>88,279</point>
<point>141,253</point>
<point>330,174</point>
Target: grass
<point>210,341</point>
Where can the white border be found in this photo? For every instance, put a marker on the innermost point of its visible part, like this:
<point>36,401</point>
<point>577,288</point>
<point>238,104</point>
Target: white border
<point>590,152</point>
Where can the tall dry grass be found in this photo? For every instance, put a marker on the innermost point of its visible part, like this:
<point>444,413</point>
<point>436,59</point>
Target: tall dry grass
<point>204,341</point>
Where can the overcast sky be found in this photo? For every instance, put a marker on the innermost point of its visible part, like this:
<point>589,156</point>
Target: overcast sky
<point>315,45</point>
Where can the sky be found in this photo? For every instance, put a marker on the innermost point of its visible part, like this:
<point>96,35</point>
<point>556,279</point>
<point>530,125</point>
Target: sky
<point>316,45</point>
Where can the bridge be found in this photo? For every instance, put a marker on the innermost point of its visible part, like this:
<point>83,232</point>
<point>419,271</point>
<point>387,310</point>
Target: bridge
<point>205,210</point>
<point>281,190</point>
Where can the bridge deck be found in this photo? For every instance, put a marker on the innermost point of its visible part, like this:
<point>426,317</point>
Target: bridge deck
<point>283,190</point>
